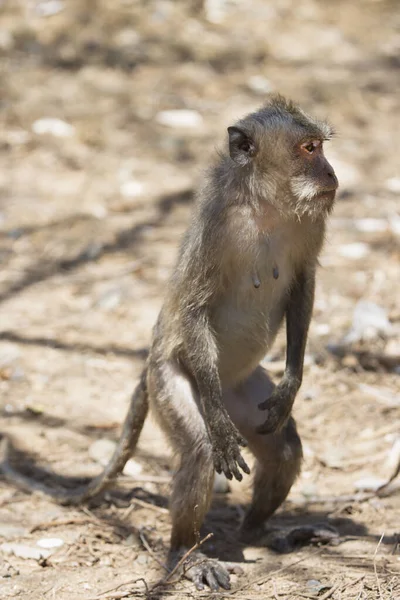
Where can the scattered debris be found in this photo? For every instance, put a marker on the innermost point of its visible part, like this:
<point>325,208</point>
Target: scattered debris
<point>259,85</point>
<point>24,551</point>
<point>383,396</point>
<point>9,531</point>
<point>180,119</point>
<point>368,484</point>
<point>131,189</point>
<point>313,585</point>
<point>55,127</point>
<point>369,321</point>
<point>50,543</point>
<point>393,184</point>
<point>215,10</point>
<point>132,468</point>
<point>49,8</point>
<point>354,251</point>
<point>101,451</point>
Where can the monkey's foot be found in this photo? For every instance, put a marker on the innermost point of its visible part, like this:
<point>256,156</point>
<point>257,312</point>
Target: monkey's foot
<point>286,540</point>
<point>203,570</point>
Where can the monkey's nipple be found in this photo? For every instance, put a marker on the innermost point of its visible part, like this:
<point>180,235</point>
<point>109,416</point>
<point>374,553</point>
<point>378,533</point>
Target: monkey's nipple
<point>275,272</point>
<point>256,280</point>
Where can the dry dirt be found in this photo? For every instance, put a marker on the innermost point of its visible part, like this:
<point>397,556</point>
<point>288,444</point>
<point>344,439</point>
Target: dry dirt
<point>89,228</point>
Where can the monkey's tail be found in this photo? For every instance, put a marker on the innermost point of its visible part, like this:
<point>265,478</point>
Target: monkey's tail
<point>131,430</point>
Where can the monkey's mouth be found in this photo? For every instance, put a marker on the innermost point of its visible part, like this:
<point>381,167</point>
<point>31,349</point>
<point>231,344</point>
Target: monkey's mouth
<point>327,196</point>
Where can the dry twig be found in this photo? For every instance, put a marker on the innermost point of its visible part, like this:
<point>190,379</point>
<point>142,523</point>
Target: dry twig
<point>150,506</point>
<point>268,577</point>
<point>151,551</point>
<point>375,570</point>
<point>60,522</point>
<point>168,579</point>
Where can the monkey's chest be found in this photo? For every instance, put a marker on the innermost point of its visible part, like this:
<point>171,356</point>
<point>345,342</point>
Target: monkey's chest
<point>249,315</point>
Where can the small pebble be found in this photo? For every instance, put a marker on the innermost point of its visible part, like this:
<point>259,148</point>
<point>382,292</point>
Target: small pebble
<point>259,84</point>
<point>182,119</point>
<point>354,251</point>
<point>9,531</point>
<point>393,184</point>
<point>50,543</point>
<point>369,321</point>
<point>132,468</point>
<point>23,551</point>
<point>368,484</point>
<point>371,225</point>
<point>131,189</point>
<point>101,451</point>
<point>56,127</point>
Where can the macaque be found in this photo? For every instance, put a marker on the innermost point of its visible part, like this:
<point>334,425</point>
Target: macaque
<point>247,263</point>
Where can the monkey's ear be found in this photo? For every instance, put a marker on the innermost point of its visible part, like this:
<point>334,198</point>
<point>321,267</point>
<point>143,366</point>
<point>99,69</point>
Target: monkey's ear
<point>241,146</point>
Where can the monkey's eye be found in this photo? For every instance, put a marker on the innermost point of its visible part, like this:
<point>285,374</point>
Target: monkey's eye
<point>311,146</point>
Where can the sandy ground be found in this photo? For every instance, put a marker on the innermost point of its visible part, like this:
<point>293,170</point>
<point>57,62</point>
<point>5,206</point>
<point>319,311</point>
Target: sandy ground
<point>90,220</point>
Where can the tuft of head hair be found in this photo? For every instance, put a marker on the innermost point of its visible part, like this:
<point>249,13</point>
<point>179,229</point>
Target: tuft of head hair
<point>278,106</point>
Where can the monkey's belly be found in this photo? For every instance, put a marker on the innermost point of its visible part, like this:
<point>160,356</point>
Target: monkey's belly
<point>244,335</point>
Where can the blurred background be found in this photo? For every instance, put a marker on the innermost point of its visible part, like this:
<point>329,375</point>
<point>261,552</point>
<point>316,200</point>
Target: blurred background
<point>109,112</point>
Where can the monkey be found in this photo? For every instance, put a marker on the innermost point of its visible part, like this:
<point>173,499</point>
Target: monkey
<point>246,263</point>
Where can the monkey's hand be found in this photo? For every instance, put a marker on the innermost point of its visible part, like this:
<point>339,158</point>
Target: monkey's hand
<point>278,406</point>
<point>225,441</point>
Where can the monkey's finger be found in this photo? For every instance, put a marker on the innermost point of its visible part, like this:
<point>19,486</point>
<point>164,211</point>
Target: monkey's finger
<point>234,470</point>
<point>217,464</point>
<point>211,579</point>
<point>242,441</point>
<point>225,468</point>
<point>222,576</point>
<point>242,463</point>
<point>197,578</point>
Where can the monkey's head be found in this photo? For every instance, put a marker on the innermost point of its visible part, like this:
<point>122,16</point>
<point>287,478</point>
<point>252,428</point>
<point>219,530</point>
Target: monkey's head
<point>279,151</point>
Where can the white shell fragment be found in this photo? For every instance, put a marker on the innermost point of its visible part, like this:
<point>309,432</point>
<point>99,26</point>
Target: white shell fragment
<point>369,321</point>
<point>259,84</point>
<point>393,184</point>
<point>101,451</point>
<point>50,543</point>
<point>370,225</point>
<point>368,484</point>
<point>131,189</point>
<point>23,551</point>
<point>132,468</point>
<point>183,118</point>
<point>50,126</point>
<point>354,251</point>
<point>394,454</point>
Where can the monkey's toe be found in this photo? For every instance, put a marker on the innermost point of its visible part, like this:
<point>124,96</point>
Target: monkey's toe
<point>208,571</point>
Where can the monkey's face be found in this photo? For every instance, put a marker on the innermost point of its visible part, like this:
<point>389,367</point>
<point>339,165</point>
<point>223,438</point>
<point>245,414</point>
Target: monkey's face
<point>313,182</point>
<point>278,152</point>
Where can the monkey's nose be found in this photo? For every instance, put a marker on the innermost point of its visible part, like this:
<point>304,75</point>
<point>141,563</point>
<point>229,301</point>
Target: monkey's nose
<point>334,180</point>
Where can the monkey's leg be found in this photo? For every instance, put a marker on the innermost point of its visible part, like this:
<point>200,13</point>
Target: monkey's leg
<point>279,458</point>
<point>174,402</point>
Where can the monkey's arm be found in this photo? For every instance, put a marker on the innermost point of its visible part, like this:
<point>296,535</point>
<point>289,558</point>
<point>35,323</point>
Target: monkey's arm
<point>298,315</point>
<point>202,358</point>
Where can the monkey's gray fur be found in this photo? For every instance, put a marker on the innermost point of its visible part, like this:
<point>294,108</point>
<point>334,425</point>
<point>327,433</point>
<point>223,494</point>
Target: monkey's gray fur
<point>248,260</point>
